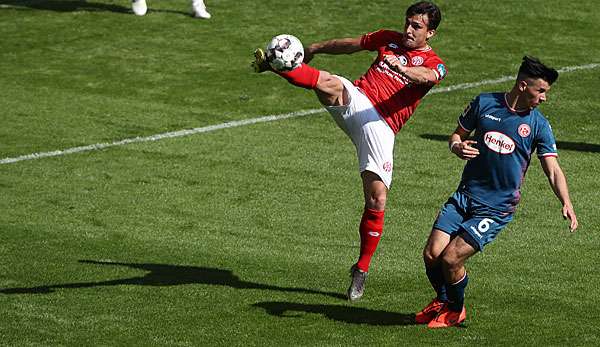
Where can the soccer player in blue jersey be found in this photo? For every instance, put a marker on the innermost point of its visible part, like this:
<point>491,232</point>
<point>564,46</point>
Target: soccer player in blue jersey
<point>508,129</point>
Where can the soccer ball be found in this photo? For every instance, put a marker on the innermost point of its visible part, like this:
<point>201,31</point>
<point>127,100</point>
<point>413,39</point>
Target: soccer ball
<point>285,52</point>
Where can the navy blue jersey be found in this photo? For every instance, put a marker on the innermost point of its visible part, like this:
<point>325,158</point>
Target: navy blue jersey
<point>506,141</point>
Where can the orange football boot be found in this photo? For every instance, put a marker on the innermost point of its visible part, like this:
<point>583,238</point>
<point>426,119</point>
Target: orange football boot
<point>447,318</point>
<point>429,312</point>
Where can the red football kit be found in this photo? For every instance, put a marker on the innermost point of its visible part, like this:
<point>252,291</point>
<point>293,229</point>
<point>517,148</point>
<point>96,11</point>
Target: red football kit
<point>394,97</point>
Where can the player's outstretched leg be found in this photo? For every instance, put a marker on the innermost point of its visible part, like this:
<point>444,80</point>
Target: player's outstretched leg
<point>260,63</point>
<point>304,76</point>
<point>301,75</point>
<point>357,284</point>
<point>139,7</point>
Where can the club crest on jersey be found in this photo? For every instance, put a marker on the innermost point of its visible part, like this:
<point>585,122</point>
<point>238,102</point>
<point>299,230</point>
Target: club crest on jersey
<point>417,60</point>
<point>524,130</point>
<point>498,142</point>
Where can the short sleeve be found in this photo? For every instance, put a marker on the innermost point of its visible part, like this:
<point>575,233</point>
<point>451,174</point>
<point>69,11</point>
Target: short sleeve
<point>468,118</point>
<point>545,141</point>
<point>438,66</point>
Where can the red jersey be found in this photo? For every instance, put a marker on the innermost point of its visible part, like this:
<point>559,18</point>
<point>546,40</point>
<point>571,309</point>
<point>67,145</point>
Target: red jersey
<point>392,94</point>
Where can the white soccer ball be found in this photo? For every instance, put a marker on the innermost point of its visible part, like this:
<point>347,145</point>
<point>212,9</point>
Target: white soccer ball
<point>285,52</point>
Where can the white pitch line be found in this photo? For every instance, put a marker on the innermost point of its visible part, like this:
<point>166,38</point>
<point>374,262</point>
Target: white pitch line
<point>178,133</point>
<point>238,123</point>
<point>505,79</point>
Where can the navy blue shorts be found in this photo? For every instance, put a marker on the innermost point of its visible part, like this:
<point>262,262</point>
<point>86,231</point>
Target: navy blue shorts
<point>482,223</point>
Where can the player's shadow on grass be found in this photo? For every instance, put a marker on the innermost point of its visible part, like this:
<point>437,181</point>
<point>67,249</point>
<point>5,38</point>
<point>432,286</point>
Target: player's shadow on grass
<point>169,275</point>
<point>65,5</point>
<point>342,313</point>
<point>564,145</point>
<point>72,6</point>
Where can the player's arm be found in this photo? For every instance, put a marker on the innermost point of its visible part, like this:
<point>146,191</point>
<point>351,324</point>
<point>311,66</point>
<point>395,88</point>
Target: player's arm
<point>461,146</point>
<point>335,46</point>
<point>415,74</point>
<point>558,182</point>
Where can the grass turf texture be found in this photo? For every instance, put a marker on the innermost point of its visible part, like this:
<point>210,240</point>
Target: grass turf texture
<point>245,235</point>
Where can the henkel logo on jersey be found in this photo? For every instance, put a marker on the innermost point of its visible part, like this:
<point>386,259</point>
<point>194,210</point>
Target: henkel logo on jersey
<point>498,142</point>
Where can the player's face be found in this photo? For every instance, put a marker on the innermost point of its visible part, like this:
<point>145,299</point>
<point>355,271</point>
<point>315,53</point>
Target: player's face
<point>416,32</point>
<point>534,91</point>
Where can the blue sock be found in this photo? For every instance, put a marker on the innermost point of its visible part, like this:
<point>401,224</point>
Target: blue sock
<point>436,278</point>
<point>456,294</point>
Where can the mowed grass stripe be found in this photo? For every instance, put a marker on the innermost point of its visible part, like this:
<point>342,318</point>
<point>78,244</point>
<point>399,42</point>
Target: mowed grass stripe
<point>264,119</point>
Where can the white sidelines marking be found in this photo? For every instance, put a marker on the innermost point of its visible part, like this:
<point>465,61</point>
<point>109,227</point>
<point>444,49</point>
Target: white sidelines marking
<point>157,137</point>
<point>239,123</point>
<point>504,79</point>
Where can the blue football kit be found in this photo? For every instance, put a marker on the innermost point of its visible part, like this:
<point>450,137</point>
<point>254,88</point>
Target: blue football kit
<point>489,190</point>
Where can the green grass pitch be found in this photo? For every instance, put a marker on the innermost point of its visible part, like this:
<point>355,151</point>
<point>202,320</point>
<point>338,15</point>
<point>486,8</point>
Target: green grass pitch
<point>244,235</point>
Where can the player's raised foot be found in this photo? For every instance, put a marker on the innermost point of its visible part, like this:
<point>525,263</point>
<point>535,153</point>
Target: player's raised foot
<point>447,318</point>
<point>260,63</point>
<point>430,311</point>
<point>357,285</point>
<point>199,10</point>
<point>139,7</point>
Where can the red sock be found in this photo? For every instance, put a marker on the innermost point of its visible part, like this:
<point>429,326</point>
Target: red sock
<point>371,227</point>
<point>304,76</point>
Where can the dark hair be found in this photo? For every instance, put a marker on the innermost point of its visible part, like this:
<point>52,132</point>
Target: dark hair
<point>533,68</point>
<point>430,9</point>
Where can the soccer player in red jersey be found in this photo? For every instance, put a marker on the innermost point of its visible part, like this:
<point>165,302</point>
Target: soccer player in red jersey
<point>373,109</point>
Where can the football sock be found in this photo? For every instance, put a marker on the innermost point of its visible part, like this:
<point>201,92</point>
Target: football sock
<point>371,227</point>
<point>436,278</point>
<point>304,76</point>
<point>456,294</point>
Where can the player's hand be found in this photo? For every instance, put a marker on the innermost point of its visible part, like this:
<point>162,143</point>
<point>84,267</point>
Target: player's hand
<point>394,63</point>
<point>465,150</point>
<point>569,213</point>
